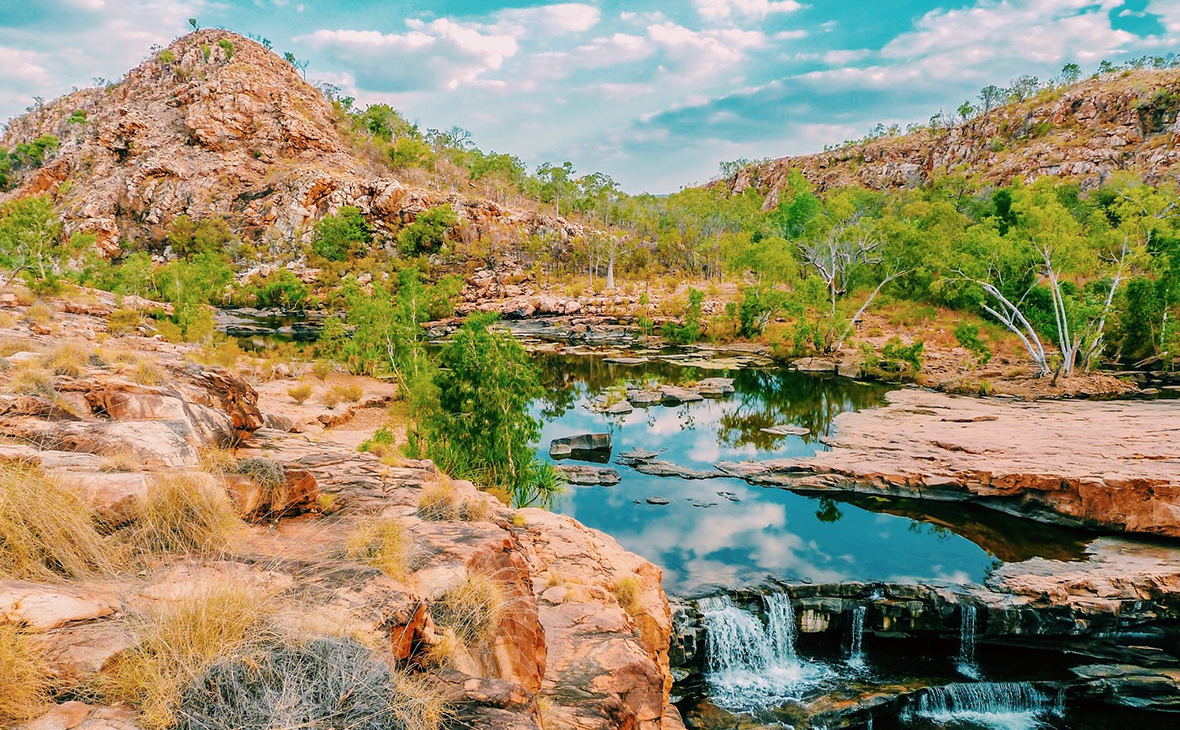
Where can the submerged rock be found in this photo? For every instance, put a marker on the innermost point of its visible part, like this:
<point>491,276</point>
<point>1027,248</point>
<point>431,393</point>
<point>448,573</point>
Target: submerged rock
<point>589,475</point>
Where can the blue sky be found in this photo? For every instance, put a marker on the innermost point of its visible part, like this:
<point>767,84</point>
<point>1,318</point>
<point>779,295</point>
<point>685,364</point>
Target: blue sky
<point>653,93</point>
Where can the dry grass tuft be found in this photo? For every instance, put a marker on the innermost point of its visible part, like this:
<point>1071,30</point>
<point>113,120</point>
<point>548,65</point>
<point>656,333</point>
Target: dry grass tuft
<point>122,460</point>
<point>218,461</point>
<point>439,501</point>
<point>184,515</point>
<point>321,369</point>
<point>46,531</point>
<point>300,393</point>
<point>9,346</point>
<point>68,358</point>
<point>30,379</point>
<point>383,544</point>
<point>472,610</point>
<point>39,312</point>
<point>124,322</point>
<point>627,591</point>
<point>178,644</point>
<point>24,677</point>
<point>146,372</point>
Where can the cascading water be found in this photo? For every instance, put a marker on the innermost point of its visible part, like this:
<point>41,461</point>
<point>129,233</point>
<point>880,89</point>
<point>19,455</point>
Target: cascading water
<point>997,705</point>
<point>967,623</point>
<point>856,653</point>
<point>752,664</point>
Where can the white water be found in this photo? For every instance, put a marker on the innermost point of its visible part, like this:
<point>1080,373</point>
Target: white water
<point>856,652</point>
<point>967,626</point>
<point>752,664</point>
<point>992,705</point>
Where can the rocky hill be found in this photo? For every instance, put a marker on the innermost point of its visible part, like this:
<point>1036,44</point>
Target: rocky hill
<point>1087,131</point>
<point>217,125</point>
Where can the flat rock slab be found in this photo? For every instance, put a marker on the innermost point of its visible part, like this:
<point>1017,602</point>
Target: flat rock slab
<point>1101,464</point>
<point>594,446</point>
<point>589,475</point>
<point>644,398</point>
<point>661,468</point>
<point>787,430</point>
<point>43,607</point>
<point>673,395</point>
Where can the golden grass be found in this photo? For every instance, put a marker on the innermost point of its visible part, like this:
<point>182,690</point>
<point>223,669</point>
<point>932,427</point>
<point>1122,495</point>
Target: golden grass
<point>7,320</point>
<point>39,312</point>
<point>30,379</point>
<point>146,372</point>
<point>321,369</point>
<point>627,591</point>
<point>383,544</point>
<point>472,610</point>
<point>124,321</point>
<point>9,346</point>
<point>121,460</point>
<point>217,461</point>
<point>69,358</point>
<point>439,501</point>
<point>300,393</point>
<point>46,531</point>
<point>177,644</point>
<point>24,677</point>
<point>181,514</point>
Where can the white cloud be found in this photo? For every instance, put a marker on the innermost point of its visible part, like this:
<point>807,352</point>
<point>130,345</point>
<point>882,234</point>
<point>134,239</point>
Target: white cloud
<point>694,55</point>
<point>438,54</point>
<point>841,57</point>
<point>1169,12</point>
<point>714,10</point>
<point>551,19</point>
<point>21,68</point>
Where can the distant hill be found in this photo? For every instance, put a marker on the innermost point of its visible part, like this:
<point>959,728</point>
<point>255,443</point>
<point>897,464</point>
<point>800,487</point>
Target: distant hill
<point>216,125</point>
<point>1086,131</point>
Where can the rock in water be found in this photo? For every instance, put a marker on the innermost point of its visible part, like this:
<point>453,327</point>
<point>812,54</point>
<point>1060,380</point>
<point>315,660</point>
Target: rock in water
<point>586,446</point>
<point>590,475</point>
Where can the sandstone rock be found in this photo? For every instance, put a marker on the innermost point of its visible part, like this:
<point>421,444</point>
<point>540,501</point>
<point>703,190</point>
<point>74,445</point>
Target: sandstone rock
<point>814,365</point>
<point>589,475</point>
<point>587,445</point>
<point>44,607</point>
<point>299,493</point>
<point>674,395</point>
<point>76,715</point>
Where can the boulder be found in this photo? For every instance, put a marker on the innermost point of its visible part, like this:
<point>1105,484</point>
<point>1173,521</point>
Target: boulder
<point>714,387</point>
<point>589,475</point>
<point>674,395</point>
<point>589,446</point>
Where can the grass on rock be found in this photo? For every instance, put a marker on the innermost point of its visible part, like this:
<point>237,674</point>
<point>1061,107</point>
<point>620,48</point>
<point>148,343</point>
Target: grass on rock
<point>24,677</point>
<point>185,514</point>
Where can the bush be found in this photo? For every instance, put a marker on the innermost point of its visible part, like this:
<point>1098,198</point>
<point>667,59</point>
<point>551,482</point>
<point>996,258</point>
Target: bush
<point>689,331</point>
<point>182,642</point>
<point>322,683</point>
<point>382,544</point>
<point>124,322</point>
<point>967,335</point>
<point>181,514</point>
<point>281,289</point>
<point>340,236</point>
<point>47,531</point>
<point>228,46</point>
<point>321,369</point>
<point>428,232</point>
<point>24,676</point>
<point>627,591</point>
<point>300,393</point>
<point>351,392</point>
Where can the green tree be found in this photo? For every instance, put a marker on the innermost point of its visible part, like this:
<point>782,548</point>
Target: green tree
<point>428,231</point>
<point>189,237</point>
<point>31,239</point>
<point>482,428</point>
<point>341,235</point>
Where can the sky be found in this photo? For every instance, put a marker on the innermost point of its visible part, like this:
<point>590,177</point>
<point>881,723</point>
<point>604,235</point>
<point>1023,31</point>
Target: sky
<point>653,93</point>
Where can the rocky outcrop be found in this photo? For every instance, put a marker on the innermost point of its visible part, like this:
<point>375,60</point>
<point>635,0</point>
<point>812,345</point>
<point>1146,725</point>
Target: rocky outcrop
<point>1111,465</point>
<point>1087,132</point>
<point>216,125</point>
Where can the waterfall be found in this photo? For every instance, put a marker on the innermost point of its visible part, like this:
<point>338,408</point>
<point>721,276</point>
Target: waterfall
<point>856,653</point>
<point>750,663</point>
<point>967,623</point>
<point>998,705</point>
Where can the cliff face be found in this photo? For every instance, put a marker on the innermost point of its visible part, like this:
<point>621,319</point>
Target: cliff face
<point>1086,131</point>
<point>217,125</point>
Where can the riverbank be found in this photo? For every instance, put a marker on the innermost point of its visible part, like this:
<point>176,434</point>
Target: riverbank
<point>1111,465</point>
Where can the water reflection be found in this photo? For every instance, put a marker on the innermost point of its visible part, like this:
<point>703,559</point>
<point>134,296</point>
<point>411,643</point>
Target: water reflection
<point>725,533</point>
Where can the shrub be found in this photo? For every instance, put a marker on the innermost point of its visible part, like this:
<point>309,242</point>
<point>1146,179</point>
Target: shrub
<point>182,642</point>
<point>181,514</point>
<point>331,398</point>
<point>300,393</point>
<point>166,57</point>
<point>321,369</point>
<point>428,231</point>
<point>321,683</point>
<point>46,530</point>
<point>77,117</point>
<point>967,335</point>
<point>24,676</point>
<point>689,331</point>
<point>339,236</point>
<point>228,46</point>
<point>124,322</point>
<point>382,544</point>
<point>897,357</point>
<point>281,289</point>
<point>351,393</point>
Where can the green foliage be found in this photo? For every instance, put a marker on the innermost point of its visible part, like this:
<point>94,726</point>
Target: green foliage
<point>281,289</point>
<point>31,240</point>
<point>428,231</point>
<point>25,156</point>
<point>342,235</point>
<point>901,359</point>
<point>756,309</point>
<point>78,117</point>
<point>189,237</point>
<point>166,57</point>
<point>688,331</point>
<point>967,335</point>
<point>191,286</point>
<point>482,428</point>
<point>228,46</point>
